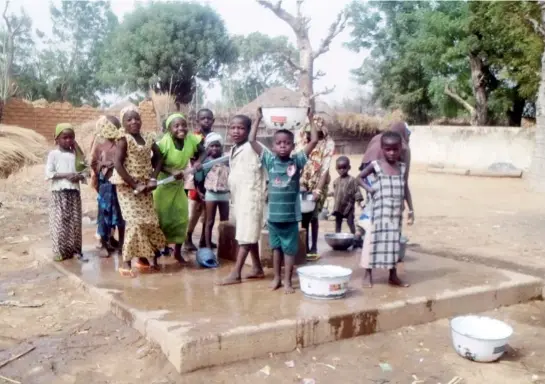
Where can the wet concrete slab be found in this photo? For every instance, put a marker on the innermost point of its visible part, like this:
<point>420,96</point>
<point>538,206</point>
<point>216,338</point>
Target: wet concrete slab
<point>199,324</point>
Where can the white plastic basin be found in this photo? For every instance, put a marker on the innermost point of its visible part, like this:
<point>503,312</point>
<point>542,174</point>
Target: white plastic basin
<point>324,281</point>
<point>480,338</point>
<point>284,117</point>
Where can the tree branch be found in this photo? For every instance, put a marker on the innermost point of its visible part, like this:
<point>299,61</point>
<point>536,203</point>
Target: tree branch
<point>326,91</point>
<point>4,16</point>
<point>459,100</point>
<point>294,66</point>
<point>334,29</point>
<point>318,75</point>
<point>281,12</point>
<point>537,26</point>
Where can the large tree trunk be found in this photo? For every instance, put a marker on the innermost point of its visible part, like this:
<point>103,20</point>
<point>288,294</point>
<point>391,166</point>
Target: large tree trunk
<point>536,174</point>
<point>478,82</point>
<point>305,82</point>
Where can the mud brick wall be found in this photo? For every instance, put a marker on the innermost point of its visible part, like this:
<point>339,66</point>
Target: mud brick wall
<point>44,119</point>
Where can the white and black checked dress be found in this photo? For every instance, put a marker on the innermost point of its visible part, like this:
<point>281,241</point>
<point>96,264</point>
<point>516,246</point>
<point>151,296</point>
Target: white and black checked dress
<point>386,217</point>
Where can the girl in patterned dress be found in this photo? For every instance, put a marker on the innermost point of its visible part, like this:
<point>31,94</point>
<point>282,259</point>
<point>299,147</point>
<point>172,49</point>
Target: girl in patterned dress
<point>135,176</point>
<point>386,197</point>
<point>65,170</point>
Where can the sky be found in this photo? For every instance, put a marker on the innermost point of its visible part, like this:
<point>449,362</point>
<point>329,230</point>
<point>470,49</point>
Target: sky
<point>247,16</point>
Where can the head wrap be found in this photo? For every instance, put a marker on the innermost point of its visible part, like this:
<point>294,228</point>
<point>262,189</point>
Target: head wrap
<point>107,130</point>
<point>173,117</point>
<point>128,108</point>
<point>80,156</point>
<point>212,137</point>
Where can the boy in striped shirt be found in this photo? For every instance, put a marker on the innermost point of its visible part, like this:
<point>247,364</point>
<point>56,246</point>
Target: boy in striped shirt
<point>284,170</point>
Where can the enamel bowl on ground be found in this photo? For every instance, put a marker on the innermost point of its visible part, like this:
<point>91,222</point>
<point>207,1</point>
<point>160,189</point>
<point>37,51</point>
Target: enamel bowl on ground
<point>324,281</point>
<point>284,117</point>
<point>339,241</point>
<point>480,338</point>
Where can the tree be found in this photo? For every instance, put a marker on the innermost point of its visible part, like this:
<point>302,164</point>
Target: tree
<point>305,65</point>
<point>166,46</point>
<point>536,174</point>
<point>261,64</point>
<point>15,41</point>
<point>447,58</point>
<point>72,59</point>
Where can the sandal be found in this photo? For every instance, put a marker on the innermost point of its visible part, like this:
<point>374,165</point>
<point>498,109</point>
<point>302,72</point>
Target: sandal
<point>58,258</point>
<point>141,266</point>
<point>81,258</point>
<point>125,272</point>
<point>312,257</point>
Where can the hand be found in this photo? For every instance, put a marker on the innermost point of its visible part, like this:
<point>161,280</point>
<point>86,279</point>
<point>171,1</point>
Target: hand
<point>151,186</point>
<point>107,164</point>
<point>73,177</point>
<point>303,189</point>
<point>197,166</point>
<point>372,191</point>
<point>139,189</point>
<point>179,175</point>
<point>410,218</point>
<point>201,195</point>
<point>316,195</point>
<point>259,113</point>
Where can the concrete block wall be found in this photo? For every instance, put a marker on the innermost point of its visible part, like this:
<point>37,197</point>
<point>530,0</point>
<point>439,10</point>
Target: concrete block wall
<point>44,119</point>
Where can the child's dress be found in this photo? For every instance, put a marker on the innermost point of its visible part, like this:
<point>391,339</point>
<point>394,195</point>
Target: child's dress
<point>385,207</point>
<point>64,206</point>
<point>247,186</point>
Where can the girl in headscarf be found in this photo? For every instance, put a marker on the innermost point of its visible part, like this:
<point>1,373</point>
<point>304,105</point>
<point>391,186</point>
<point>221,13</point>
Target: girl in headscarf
<point>102,165</point>
<point>65,169</point>
<point>135,176</point>
<point>215,184</point>
<point>315,177</point>
<point>177,147</point>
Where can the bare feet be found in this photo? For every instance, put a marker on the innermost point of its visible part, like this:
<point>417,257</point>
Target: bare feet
<point>396,282</point>
<point>229,280</point>
<point>367,279</point>
<point>189,246</point>
<point>288,288</point>
<point>255,274</point>
<point>275,284</point>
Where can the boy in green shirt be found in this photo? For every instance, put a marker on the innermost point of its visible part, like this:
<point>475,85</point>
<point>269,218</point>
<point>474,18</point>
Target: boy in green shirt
<point>284,170</point>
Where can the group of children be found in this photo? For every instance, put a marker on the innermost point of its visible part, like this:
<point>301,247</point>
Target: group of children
<point>149,216</point>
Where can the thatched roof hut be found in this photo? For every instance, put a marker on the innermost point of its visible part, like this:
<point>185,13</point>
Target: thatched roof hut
<point>357,124</point>
<point>284,97</point>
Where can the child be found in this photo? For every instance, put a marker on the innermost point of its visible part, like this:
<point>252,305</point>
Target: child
<point>64,168</point>
<point>135,177</point>
<point>177,147</point>
<point>284,170</point>
<point>247,187</point>
<point>205,123</point>
<point>346,193</point>
<point>215,184</point>
<point>386,199</point>
<point>102,164</point>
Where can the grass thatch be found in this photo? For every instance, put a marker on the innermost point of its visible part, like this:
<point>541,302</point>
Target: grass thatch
<point>19,147</point>
<point>358,124</point>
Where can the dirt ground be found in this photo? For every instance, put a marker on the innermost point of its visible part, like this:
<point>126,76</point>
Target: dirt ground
<point>492,221</point>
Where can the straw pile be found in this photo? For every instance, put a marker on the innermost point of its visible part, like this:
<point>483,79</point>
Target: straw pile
<point>19,147</point>
<point>358,124</point>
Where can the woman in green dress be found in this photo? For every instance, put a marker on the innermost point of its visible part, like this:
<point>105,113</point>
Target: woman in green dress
<point>177,146</point>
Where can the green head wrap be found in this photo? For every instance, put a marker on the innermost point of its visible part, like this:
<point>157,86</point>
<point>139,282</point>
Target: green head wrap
<point>80,156</point>
<point>173,117</point>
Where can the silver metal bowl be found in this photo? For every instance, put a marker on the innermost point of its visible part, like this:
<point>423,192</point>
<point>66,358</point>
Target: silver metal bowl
<point>339,241</point>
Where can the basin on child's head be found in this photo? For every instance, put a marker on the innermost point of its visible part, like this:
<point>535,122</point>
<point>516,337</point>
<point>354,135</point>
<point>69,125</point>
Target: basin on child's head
<point>284,117</point>
<point>339,241</point>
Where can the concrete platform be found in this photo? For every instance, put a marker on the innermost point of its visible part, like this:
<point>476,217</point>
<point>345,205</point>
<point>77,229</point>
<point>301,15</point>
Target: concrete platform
<point>198,324</point>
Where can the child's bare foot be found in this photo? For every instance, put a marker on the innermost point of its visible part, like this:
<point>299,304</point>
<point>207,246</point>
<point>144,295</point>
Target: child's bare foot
<point>288,288</point>
<point>367,279</point>
<point>229,280</point>
<point>275,284</point>
<point>256,273</point>
<point>178,256</point>
<point>397,282</point>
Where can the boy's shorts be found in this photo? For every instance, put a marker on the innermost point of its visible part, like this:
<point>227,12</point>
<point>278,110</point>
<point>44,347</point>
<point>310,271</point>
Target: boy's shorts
<point>284,236</point>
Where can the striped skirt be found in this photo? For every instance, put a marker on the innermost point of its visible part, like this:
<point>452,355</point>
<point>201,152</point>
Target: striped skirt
<point>65,223</point>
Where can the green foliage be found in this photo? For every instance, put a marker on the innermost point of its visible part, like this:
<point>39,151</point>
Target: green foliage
<point>261,64</point>
<point>417,48</point>
<point>71,61</point>
<point>166,46</point>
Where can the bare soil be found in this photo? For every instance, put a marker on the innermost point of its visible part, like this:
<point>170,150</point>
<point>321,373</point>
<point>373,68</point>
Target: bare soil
<point>492,221</point>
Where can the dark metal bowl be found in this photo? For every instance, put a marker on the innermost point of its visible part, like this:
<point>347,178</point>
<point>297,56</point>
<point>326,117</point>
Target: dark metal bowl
<point>339,241</point>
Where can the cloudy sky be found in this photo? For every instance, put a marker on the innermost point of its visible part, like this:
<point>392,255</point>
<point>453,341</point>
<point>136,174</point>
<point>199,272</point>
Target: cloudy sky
<point>246,16</point>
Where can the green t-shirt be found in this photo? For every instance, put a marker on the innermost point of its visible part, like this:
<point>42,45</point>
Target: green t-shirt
<point>284,189</point>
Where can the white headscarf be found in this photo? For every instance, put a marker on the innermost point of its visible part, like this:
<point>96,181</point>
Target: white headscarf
<point>212,137</point>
